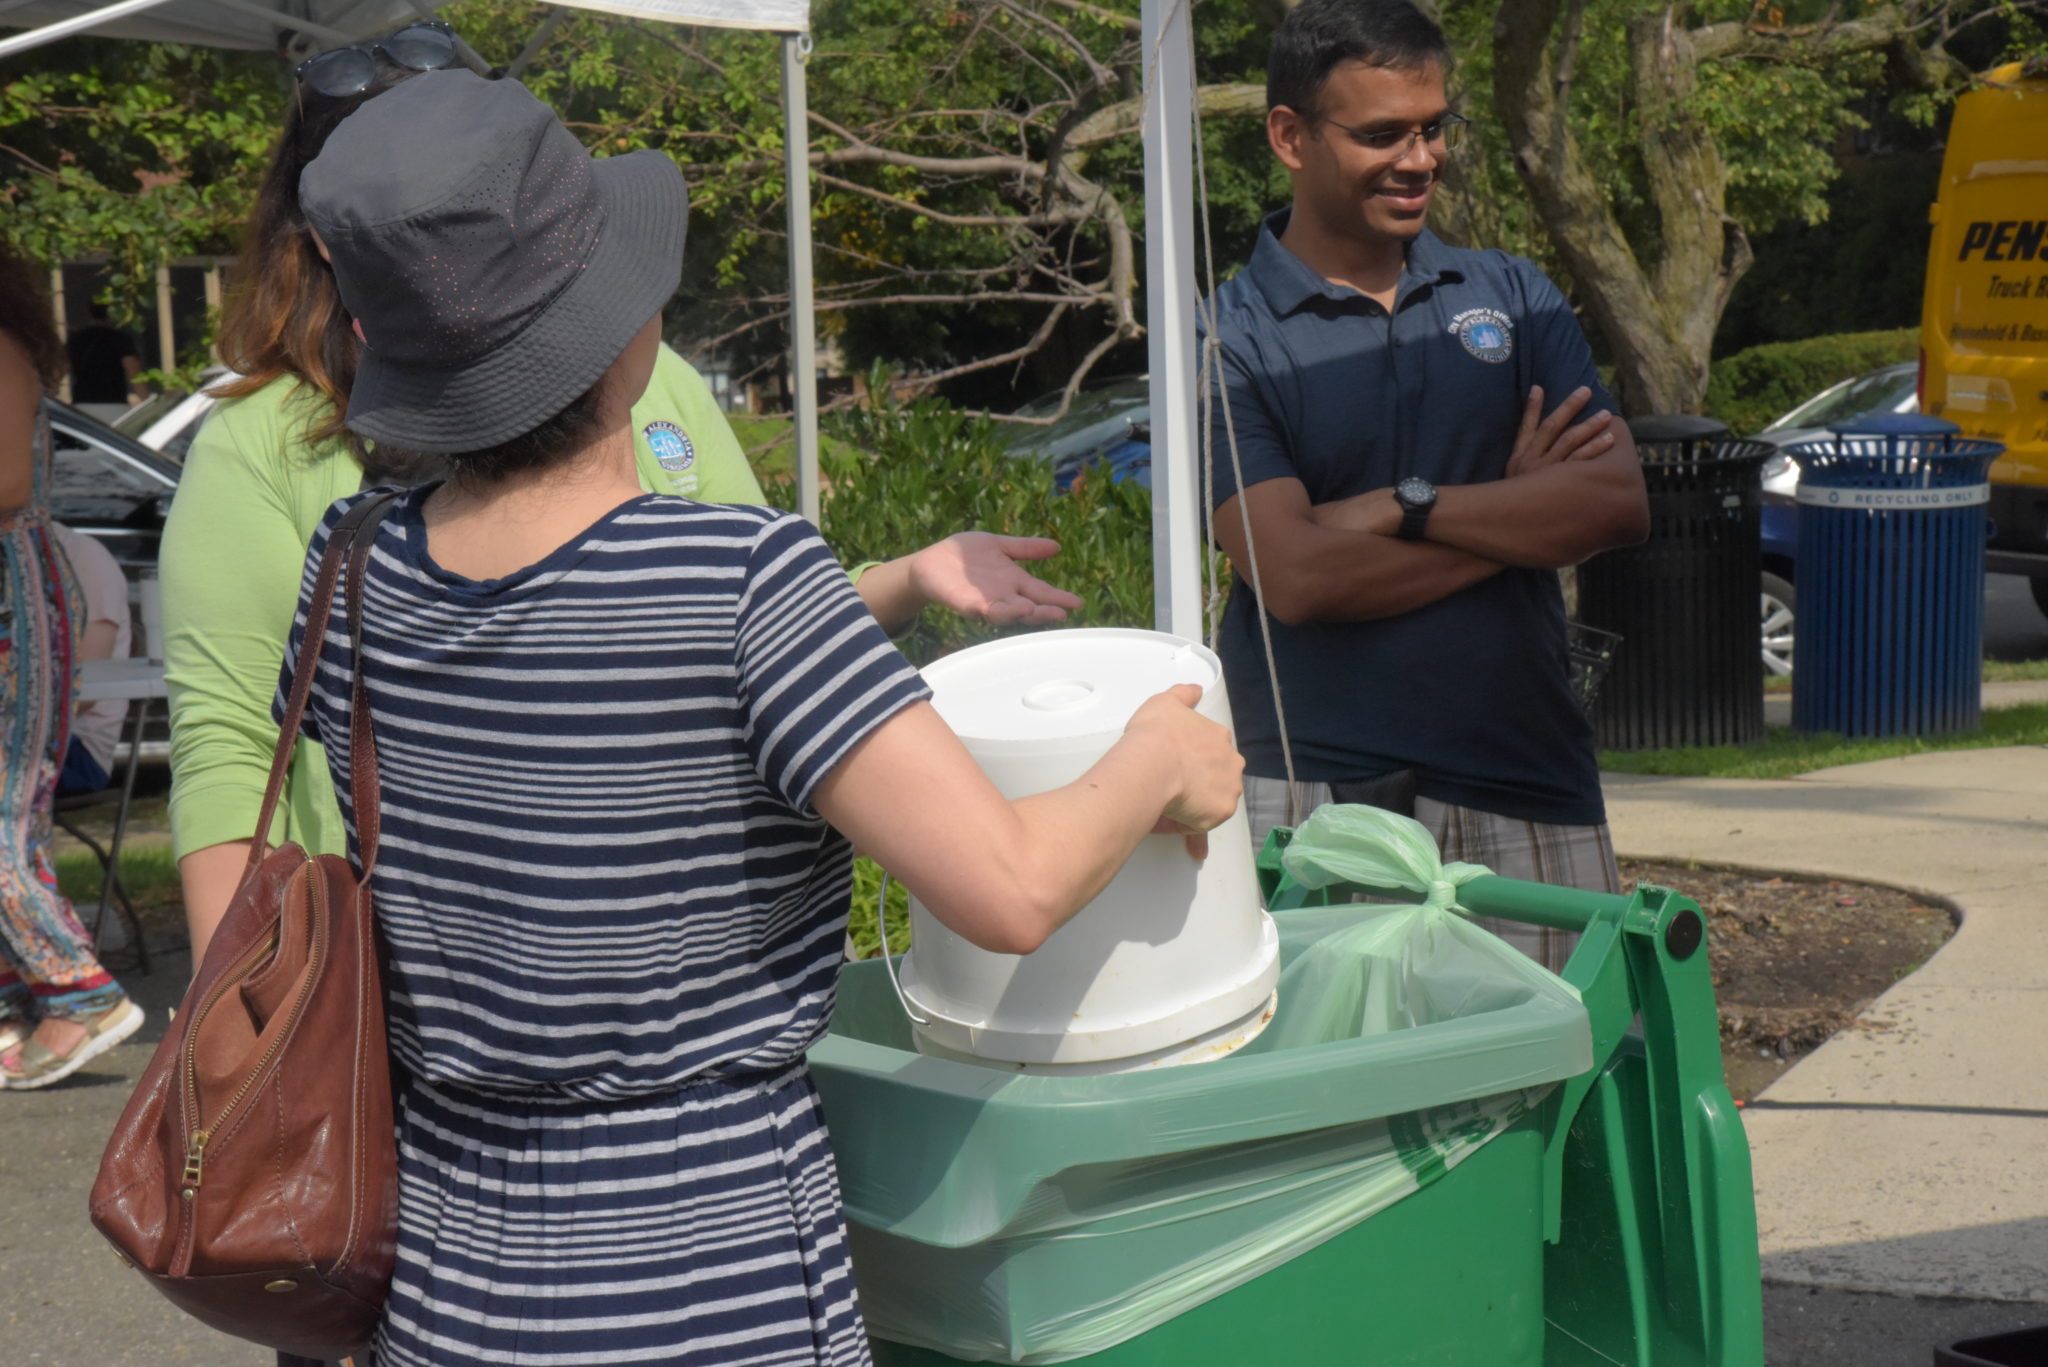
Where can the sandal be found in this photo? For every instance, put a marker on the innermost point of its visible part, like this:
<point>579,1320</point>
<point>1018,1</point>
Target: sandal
<point>13,1034</point>
<point>38,1067</point>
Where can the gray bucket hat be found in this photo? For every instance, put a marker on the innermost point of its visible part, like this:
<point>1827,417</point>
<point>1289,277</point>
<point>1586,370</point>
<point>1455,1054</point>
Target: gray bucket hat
<point>495,270</point>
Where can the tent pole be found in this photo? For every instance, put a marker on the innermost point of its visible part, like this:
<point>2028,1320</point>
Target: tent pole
<point>1170,317</point>
<point>64,28</point>
<point>803,323</point>
<point>63,325</point>
<point>166,325</point>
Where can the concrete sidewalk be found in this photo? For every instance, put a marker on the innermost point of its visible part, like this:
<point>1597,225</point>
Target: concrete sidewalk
<point>1910,1156</point>
<point>2011,693</point>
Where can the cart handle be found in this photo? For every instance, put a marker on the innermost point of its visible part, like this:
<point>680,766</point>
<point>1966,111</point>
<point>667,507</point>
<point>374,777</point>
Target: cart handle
<point>1510,899</point>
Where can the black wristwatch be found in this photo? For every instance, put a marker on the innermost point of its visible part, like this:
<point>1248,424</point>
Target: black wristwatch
<point>1416,497</point>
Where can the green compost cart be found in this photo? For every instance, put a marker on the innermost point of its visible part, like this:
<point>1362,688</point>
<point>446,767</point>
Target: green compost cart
<point>996,1217</point>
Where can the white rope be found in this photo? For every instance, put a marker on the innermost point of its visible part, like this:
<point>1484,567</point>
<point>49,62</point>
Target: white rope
<point>889,963</point>
<point>1211,349</point>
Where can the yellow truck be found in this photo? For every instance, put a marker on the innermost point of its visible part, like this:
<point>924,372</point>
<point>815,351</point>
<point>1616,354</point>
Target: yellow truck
<point>1984,322</point>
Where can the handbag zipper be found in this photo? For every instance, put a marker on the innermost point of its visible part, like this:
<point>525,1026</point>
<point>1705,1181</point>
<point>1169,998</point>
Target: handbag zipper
<point>195,1152</point>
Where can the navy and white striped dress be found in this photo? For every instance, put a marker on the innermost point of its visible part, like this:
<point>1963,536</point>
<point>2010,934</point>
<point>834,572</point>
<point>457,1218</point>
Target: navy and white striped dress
<point>615,925</point>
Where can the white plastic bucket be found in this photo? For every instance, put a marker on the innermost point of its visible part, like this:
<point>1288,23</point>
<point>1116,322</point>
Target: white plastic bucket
<point>1175,961</point>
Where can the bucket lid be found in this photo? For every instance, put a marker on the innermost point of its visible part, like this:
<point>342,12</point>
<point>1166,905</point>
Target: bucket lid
<point>1061,684</point>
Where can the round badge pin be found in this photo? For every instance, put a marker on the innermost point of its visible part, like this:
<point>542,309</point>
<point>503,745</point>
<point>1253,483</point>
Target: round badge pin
<point>1486,334</point>
<point>672,447</point>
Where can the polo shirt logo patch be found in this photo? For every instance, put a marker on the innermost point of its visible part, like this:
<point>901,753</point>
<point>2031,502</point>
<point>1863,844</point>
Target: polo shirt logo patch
<point>672,447</point>
<point>1485,333</point>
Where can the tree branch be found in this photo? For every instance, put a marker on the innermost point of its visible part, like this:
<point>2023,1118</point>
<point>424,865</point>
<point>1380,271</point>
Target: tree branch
<point>539,40</point>
<point>1073,385</point>
<point>1126,118</point>
<point>1038,340</point>
<point>1097,12</point>
<point>1045,220</point>
<point>1888,28</point>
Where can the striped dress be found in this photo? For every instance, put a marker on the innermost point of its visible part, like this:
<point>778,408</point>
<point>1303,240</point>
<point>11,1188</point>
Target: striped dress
<point>615,926</point>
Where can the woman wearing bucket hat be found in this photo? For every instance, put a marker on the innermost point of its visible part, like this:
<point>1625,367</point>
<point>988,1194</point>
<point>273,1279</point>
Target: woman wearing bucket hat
<point>625,743</point>
<point>276,454</point>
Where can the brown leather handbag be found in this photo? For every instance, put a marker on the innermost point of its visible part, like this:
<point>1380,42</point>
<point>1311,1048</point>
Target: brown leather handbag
<point>253,1178</point>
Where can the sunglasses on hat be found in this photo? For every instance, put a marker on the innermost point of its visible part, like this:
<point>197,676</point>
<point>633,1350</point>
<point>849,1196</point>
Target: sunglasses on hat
<point>427,45</point>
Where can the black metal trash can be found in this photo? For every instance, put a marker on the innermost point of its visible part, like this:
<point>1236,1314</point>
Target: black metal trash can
<point>2025,1348</point>
<point>1689,670</point>
<point>1892,531</point>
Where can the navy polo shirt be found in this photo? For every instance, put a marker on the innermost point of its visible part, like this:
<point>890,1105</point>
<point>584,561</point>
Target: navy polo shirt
<point>1325,386</point>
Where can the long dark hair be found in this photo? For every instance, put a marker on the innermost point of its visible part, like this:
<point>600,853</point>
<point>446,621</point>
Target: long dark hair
<point>284,315</point>
<point>25,316</point>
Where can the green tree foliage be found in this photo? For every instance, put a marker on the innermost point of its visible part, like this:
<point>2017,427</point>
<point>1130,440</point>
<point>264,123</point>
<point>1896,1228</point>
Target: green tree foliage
<point>1756,386</point>
<point>1658,141</point>
<point>978,194</point>
<point>1860,269</point>
<point>905,474</point>
<point>134,151</point>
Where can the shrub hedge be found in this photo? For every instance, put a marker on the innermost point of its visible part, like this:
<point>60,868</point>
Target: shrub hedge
<point>900,476</point>
<point>1754,387</point>
<point>903,475</point>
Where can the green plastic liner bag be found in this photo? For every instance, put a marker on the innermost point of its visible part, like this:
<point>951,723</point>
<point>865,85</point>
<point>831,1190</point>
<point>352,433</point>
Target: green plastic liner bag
<point>1399,967</point>
<point>1016,1218</point>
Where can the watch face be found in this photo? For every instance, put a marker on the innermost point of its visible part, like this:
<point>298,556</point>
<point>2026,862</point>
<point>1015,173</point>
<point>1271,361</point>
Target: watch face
<point>1418,492</point>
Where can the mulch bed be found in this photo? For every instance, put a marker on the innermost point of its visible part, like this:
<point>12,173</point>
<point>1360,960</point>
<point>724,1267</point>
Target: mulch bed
<point>1796,959</point>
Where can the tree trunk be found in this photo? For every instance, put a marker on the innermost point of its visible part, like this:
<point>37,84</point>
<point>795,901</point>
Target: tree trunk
<point>1704,251</point>
<point>1659,320</point>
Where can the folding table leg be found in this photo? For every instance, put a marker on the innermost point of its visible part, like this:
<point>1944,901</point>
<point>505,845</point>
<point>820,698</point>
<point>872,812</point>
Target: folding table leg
<point>113,860</point>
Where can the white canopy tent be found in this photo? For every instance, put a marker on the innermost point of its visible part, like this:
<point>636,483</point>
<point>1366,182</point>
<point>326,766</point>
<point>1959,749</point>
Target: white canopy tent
<point>1169,190</point>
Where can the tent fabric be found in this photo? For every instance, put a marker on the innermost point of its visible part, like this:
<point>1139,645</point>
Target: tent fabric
<point>248,24</point>
<point>782,16</point>
<point>254,24</point>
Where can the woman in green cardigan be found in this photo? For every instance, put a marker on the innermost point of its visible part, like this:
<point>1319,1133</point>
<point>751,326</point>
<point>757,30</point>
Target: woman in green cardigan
<point>274,456</point>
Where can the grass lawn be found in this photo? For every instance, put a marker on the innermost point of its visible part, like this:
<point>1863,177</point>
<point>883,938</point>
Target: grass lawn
<point>147,870</point>
<point>2014,671</point>
<point>769,440</point>
<point>1783,753</point>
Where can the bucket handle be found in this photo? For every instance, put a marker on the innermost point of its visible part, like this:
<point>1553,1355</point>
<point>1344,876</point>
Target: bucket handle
<point>882,931</point>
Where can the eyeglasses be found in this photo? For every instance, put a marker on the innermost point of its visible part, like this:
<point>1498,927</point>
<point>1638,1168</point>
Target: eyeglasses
<point>428,45</point>
<point>1442,136</point>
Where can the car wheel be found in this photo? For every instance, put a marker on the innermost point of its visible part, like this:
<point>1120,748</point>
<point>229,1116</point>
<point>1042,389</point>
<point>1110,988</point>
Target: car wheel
<point>1780,604</point>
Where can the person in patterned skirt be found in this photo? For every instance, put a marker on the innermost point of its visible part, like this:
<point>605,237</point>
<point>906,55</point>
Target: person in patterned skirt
<point>59,1009</point>
<point>626,743</point>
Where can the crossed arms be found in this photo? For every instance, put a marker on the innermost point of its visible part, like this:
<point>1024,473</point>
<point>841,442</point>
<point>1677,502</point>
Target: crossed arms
<point>1570,491</point>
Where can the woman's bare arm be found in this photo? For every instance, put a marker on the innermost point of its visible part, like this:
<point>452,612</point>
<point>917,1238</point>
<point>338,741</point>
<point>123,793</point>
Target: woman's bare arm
<point>210,877</point>
<point>1007,874</point>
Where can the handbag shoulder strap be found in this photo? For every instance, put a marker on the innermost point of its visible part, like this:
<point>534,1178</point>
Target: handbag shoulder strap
<point>357,529</point>
<point>362,737</point>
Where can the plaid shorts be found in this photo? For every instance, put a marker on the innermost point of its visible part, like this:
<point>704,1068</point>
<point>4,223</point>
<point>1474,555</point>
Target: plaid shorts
<point>1566,856</point>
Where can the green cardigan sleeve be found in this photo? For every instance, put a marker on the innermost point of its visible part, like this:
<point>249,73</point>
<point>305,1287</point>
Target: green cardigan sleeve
<point>682,441</point>
<point>233,548</point>
<point>685,446</point>
<point>250,497</point>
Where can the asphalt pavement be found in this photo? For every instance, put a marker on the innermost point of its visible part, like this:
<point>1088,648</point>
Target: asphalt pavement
<point>2014,627</point>
<point>1899,1168</point>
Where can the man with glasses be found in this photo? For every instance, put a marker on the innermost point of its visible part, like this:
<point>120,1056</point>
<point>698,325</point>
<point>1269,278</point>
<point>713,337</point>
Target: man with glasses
<point>1409,440</point>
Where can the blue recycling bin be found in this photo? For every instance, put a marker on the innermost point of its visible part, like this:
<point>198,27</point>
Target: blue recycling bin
<point>1892,530</point>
